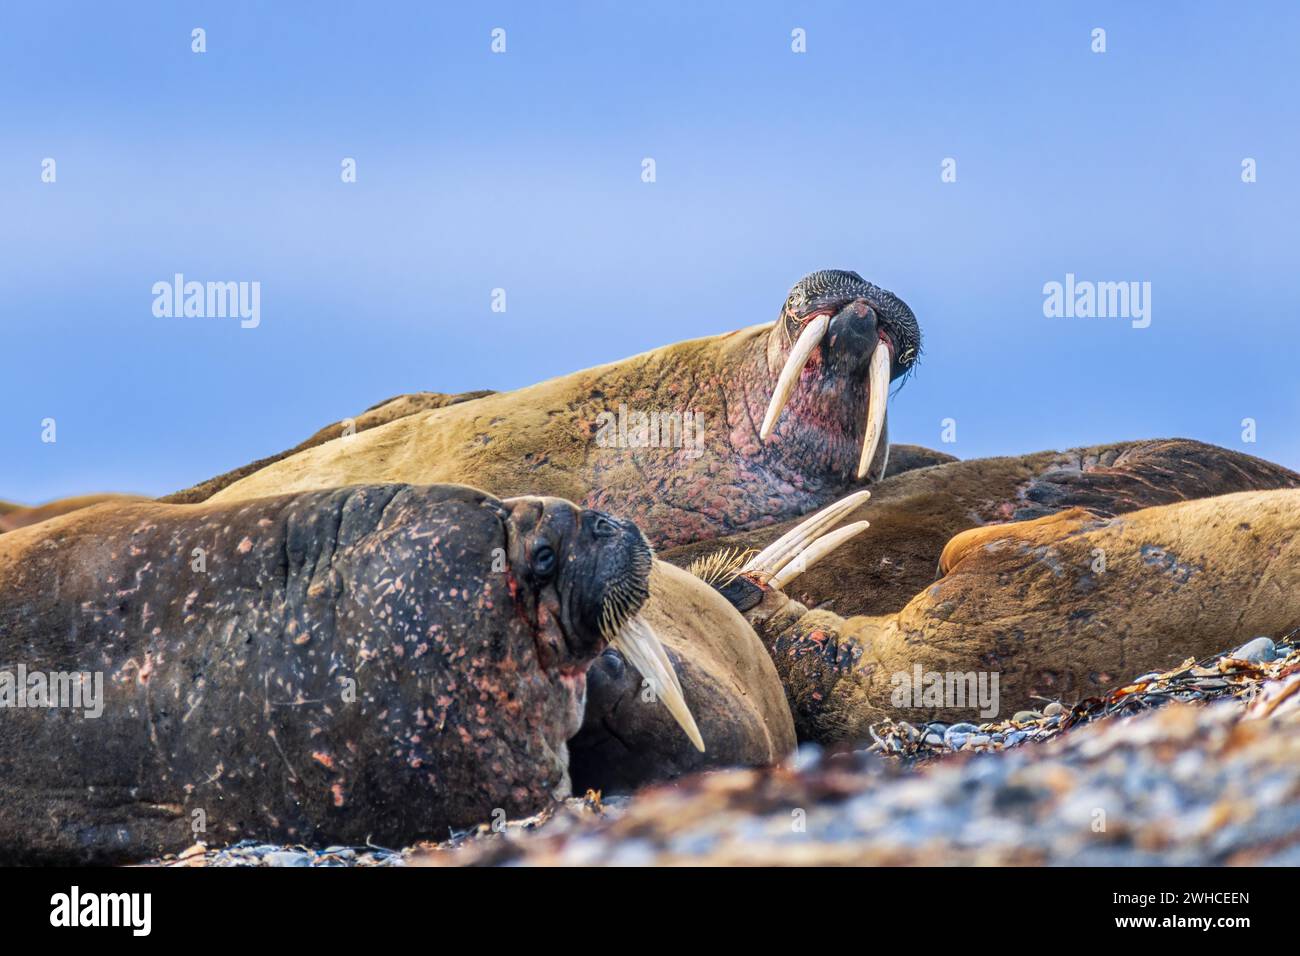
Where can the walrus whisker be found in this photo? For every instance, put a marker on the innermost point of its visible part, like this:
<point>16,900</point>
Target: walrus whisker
<point>720,568</point>
<point>644,651</point>
<point>780,552</point>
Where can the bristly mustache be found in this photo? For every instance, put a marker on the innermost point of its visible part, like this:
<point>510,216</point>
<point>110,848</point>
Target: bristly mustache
<point>628,594</point>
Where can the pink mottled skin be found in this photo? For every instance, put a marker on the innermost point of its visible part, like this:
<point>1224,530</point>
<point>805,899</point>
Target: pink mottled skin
<point>352,664</point>
<point>739,482</point>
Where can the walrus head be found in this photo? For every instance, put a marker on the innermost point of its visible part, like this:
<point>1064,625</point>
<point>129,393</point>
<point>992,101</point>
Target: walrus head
<point>837,344</point>
<point>591,574</point>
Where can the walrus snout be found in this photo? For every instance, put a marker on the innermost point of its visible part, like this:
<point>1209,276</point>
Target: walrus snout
<point>840,340</point>
<point>590,570</point>
<point>853,334</point>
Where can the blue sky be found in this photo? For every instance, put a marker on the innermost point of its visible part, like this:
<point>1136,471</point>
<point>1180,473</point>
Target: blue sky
<point>522,171</point>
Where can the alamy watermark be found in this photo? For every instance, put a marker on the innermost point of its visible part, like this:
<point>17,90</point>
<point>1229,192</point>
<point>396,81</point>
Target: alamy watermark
<point>659,428</point>
<point>74,690</point>
<point>1083,299</point>
<point>945,690</point>
<point>209,300</point>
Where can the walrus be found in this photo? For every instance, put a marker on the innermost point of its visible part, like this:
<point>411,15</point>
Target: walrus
<point>914,515</point>
<point>690,441</point>
<point>371,663</point>
<point>13,516</point>
<point>1057,607</point>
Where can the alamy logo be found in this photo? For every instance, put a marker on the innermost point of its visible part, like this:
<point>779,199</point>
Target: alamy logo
<point>103,909</point>
<point>76,690</point>
<point>1075,299</point>
<point>654,429</point>
<point>208,300</point>
<point>952,689</point>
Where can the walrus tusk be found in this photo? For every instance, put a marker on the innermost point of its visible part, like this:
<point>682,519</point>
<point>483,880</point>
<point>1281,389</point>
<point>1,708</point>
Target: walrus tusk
<point>644,651</point>
<point>808,340</point>
<point>781,551</point>
<point>877,398</point>
<point>816,551</point>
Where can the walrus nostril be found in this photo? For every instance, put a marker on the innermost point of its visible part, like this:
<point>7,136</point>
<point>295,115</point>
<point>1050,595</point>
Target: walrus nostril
<point>852,330</point>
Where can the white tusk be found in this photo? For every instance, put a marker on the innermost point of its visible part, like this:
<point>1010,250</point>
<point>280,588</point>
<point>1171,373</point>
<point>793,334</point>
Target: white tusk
<point>779,553</point>
<point>816,551</point>
<point>644,651</point>
<point>877,398</point>
<point>808,340</point>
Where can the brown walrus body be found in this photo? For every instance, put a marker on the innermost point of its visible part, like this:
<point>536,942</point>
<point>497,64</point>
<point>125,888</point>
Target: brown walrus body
<point>914,515</point>
<point>686,440</point>
<point>1059,607</point>
<point>378,662</point>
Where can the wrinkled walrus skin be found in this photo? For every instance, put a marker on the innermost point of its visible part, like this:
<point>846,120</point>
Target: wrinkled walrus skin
<point>913,515</point>
<point>350,665</point>
<point>1060,607</point>
<point>705,471</point>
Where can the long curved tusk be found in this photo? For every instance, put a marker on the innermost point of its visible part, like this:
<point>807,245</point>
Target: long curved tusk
<point>644,651</point>
<point>779,553</point>
<point>808,340</point>
<point>877,398</point>
<point>816,551</point>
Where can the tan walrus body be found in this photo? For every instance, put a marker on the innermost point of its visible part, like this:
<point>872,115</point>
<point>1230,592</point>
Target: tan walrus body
<point>1060,607</point>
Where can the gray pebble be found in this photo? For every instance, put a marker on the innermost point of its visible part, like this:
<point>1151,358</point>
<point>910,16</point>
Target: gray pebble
<point>1052,709</point>
<point>286,858</point>
<point>806,756</point>
<point>1261,650</point>
<point>1026,716</point>
<point>956,735</point>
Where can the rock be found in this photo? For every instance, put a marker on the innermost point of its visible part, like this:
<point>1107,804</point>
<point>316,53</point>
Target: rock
<point>1260,651</point>
<point>1052,709</point>
<point>286,858</point>
<point>955,737</point>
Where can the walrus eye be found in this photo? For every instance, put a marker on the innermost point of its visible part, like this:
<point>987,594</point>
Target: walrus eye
<point>544,561</point>
<point>603,528</point>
